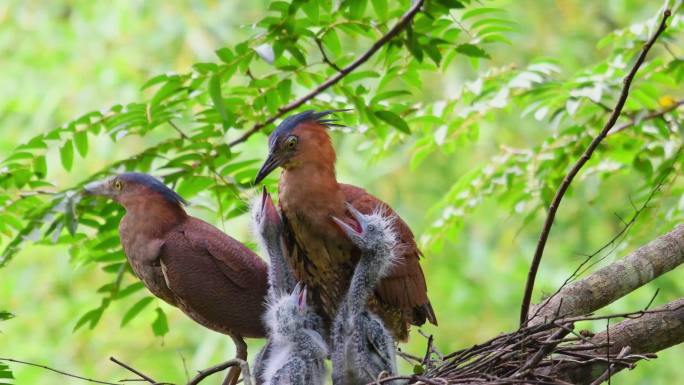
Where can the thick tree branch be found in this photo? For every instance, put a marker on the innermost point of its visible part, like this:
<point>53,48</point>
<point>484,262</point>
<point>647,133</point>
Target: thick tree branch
<point>650,333</point>
<point>615,280</point>
<point>565,184</point>
<point>394,31</point>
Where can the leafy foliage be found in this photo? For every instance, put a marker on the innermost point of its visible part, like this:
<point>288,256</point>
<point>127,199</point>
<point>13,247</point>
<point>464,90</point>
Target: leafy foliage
<point>647,141</point>
<point>194,114</point>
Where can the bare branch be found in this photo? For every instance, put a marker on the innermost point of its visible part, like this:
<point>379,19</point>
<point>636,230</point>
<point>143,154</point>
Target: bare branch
<point>132,370</point>
<point>565,184</point>
<point>221,367</point>
<point>653,115</point>
<point>384,39</point>
<point>57,371</point>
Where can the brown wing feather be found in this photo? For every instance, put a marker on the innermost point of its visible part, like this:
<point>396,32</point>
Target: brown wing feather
<point>218,281</point>
<point>405,286</point>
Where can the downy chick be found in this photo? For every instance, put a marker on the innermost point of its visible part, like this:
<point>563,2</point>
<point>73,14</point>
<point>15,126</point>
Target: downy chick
<point>297,353</point>
<point>363,348</point>
<point>268,227</point>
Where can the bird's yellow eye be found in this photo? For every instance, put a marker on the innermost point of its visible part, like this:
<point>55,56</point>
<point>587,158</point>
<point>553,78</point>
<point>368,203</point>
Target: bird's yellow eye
<point>118,185</point>
<point>291,142</point>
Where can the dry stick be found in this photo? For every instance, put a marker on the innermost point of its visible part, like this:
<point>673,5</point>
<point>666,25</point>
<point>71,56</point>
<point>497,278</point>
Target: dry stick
<point>541,353</point>
<point>137,372</point>
<point>221,367</point>
<point>394,31</point>
<point>565,184</point>
<point>57,371</point>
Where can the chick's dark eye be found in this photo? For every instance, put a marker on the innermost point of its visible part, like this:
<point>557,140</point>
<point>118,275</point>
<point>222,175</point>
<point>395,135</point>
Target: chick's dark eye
<point>291,142</point>
<point>371,228</point>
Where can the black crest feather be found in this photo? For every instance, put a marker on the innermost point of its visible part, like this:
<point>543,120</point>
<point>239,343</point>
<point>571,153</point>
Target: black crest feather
<point>292,121</point>
<point>155,185</point>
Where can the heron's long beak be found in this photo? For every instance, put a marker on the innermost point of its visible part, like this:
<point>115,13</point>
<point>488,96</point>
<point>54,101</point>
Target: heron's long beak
<point>100,187</point>
<point>270,164</point>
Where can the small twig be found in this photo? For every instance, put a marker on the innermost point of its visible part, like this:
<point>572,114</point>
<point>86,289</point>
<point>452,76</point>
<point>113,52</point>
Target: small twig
<point>185,367</point>
<point>329,62</point>
<point>384,39</point>
<point>133,370</point>
<point>565,184</point>
<point>652,115</point>
<point>202,374</point>
<point>57,371</point>
<point>609,371</point>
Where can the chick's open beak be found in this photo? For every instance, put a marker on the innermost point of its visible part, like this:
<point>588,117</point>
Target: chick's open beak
<point>358,222</point>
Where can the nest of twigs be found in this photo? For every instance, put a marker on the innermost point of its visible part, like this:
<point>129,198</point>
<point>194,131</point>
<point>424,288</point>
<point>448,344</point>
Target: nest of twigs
<point>549,353</point>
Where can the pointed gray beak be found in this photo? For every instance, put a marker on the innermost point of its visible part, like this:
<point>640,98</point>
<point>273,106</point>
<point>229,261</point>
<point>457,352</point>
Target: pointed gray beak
<point>100,188</point>
<point>270,164</point>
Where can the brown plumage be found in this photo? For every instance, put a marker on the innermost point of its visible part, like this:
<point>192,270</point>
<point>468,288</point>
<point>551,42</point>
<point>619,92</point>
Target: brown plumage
<point>214,279</point>
<point>321,256</point>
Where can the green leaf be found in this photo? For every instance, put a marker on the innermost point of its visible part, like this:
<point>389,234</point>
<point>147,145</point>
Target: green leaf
<point>66,154</point>
<point>479,11</point>
<point>413,45</point>
<point>227,117</point>
<point>130,289</point>
<point>81,140</point>
<point>160,326</point>
<point>451,4</point>
<point>171,87</point>
<point>311,10</point>
<point>225,54</point>
<point>135,310</point>
<point>5,315</point>
<point>92,317</point>
<point>472,51</point>
<point>40,166</point>
<point>394,120</point>
<point>332,42</point>
<point>296,53</point>
<point>380,7</point>
<point>356,8</point>
<point>5,373</point>
<point>190,187</point>
<point>285,90</point>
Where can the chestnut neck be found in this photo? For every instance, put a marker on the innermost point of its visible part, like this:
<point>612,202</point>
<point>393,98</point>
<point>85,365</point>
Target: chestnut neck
<point>151,215</point>
<point>308,188</point>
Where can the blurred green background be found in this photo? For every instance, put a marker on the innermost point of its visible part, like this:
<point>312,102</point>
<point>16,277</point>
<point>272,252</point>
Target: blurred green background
<point>63,58</point>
